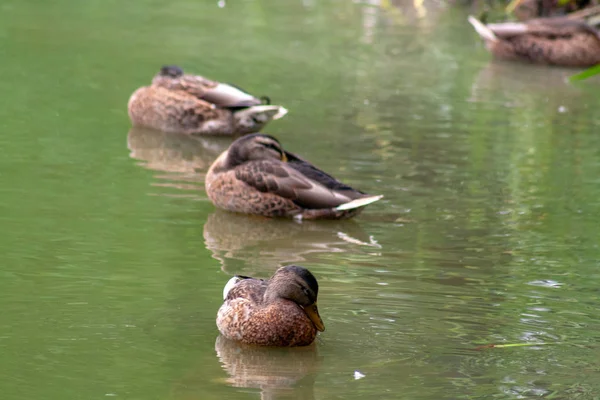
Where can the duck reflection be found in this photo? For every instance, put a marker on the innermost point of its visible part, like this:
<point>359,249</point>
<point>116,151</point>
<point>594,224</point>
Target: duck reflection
<point>279,373</point>
<point>268,243</point>
<point>502,81</point>
<point>174,152</point>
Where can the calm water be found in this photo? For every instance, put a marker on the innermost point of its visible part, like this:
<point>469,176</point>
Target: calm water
<point>112,260</point>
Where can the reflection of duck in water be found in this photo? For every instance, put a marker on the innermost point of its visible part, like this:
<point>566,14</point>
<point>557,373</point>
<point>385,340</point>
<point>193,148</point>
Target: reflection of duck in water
<point>255,241</point>
<point>279,372</point>
<point>553,41</point>
<point>192,104</point>
<point>280,311</point>
<point>518,85</point>
<point>256,176</point>
<point>174,152</point>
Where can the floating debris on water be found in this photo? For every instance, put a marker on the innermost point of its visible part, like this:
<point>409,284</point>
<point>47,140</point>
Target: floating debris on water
<point>358,375</point>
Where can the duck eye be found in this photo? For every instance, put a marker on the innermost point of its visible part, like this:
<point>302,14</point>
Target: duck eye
<point>306,292</point>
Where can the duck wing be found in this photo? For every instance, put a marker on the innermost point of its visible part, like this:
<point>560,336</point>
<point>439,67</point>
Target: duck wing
<point>298,181</point>
<point>229,96</point>
<point>544,27</point>
<point>217,93</point>
<point>247,288</point>
<point>314,173</point>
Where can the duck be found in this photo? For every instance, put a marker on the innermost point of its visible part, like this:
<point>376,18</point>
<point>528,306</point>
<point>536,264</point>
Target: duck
<point>192,104</point>
<point>280,311</point>
<point>255,175</point>
<point>553,41</point>
<point>527,9</point>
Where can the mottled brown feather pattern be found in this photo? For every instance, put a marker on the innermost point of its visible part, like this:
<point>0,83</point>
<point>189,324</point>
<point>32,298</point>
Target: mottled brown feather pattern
<point>282,323</point>
<point>273,187</point>
<point>273,176</point>
<point>226,191</point>
<point>249,288</point>
<point>193,84</point>
<point>192,104</point>
<point>549,41</point>
<point>269,312</point>
<point>177,111</point>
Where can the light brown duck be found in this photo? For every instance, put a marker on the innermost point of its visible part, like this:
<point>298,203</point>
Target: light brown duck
<point>192,104</point>
<point>280,311</point>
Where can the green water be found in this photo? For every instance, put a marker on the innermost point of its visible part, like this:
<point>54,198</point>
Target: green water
<point>112,260</point>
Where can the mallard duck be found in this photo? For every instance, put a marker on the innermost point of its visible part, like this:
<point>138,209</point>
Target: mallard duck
<point>256,176</point>
<point>178,102</point>
<point>553,41</point>
<point>527,9</point>
<point>281,311</point>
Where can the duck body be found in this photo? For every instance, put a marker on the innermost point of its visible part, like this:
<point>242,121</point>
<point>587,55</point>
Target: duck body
<point>280,311</point>
<point>256,176</point>
<point>552,41</point>
<point>192,104</point>
<point>529,9</point>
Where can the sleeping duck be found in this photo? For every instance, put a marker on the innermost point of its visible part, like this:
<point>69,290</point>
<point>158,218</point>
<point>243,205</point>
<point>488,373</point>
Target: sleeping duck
<point>192,104</point>
<point>256,176</point>
<point>554,41</point>
<point>280,311</point>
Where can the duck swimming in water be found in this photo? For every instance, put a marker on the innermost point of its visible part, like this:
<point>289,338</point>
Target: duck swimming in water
<point>192,104</point>
<point>256,176</point>
<point>553,41</point>
<point>280,311</point>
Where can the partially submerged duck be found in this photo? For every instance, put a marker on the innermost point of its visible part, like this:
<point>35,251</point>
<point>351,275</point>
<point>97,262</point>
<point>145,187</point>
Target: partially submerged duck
<point>280,311</point>
<point>192,104</point>
<point>553,41</point>
<point>256,176</point>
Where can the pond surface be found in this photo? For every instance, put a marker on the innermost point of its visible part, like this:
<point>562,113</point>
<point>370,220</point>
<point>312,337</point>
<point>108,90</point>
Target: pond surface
<point>112,259</point>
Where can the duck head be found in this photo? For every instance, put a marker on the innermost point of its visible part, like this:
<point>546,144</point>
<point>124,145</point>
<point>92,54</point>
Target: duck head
<point>297,284</point>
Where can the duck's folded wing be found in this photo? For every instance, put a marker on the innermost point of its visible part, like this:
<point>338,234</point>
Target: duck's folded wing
<point>315,174</point>
<point>225,95</point>
<point>217,93</point>
<point>249,288</point>
<point>271,176</point>
<point>547,27</point>
<point>195,85</point>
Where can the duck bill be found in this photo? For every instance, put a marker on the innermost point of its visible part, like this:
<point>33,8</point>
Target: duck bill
<point>313,313</point>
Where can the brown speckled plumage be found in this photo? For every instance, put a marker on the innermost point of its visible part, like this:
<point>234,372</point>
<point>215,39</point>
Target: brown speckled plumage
<point>272,312</point>
<point>552,41</point>
<point>256,176</point>
<point>192,104</point>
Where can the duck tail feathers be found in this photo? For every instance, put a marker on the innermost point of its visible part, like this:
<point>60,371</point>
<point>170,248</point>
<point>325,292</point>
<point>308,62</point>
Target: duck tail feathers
<point>357,203</point>
<point>483,31</point>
